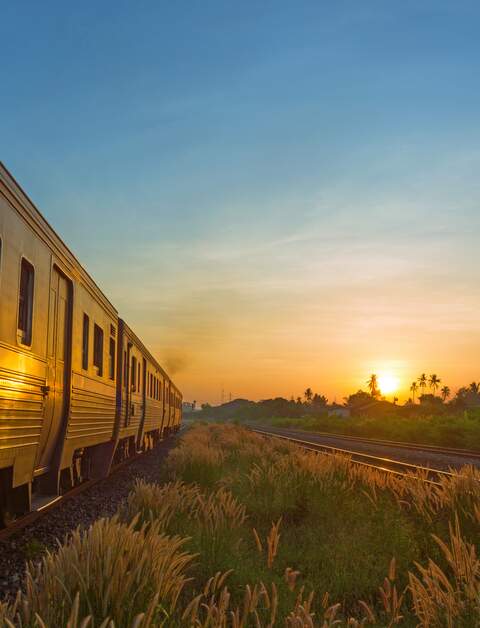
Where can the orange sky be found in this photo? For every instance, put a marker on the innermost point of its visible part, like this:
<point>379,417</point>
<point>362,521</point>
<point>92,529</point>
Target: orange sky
<point>326,309</point>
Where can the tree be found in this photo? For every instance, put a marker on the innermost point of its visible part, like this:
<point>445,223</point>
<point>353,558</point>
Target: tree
<point>360,398</point>
<point>445,393</point>
<point>395,399</point>
<point>308,395</point>
<point>299,401</point>
<point>434,382</point>
<point>474,388</point>
<point>372,384</point>
<point>422,382</point>
<point>319,400</point>
<point>194,405</point>
<point>414,389</point>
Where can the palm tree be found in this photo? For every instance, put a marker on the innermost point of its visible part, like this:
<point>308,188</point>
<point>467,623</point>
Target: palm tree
<point>395,399</point>
<point>308,395</point>
<point>474,388</point>
<point>372,384</point>
<point>434,382</point>
<point>413,389</point>
<point>422,382</point>
<point>445,393</point>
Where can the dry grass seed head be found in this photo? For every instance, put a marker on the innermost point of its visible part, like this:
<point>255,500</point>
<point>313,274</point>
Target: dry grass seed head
<point>116,569</point>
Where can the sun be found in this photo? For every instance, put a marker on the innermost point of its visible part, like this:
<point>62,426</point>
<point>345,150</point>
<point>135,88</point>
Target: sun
<point>387,383</point>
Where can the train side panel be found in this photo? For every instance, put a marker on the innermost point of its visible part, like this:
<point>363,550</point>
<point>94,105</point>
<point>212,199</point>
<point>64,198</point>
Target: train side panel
<point>23,364</point>
<point>91,419</point>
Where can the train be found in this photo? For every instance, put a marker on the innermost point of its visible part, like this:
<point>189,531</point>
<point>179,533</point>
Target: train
<point>79,391</point>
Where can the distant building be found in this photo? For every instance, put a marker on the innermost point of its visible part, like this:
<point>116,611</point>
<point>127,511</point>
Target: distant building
<point>335,409</point>
<point>374,408</point>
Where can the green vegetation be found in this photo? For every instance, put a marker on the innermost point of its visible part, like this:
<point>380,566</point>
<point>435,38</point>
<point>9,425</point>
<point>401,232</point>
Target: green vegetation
<point>247,532</point>
<point>33,549</point>
<point>448,430</point>
<point>431,421</point>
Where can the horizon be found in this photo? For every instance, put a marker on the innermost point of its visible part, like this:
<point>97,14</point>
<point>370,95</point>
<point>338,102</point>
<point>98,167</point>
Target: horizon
<point>290,194</point>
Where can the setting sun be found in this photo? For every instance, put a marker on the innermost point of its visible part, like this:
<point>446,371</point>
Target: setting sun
<point>388,383</point>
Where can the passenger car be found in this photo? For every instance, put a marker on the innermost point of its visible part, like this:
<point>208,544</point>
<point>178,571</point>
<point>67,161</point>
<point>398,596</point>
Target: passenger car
<point>78,389</point>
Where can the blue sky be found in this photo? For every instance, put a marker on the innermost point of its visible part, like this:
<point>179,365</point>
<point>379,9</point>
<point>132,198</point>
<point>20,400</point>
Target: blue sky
<point>274,194</point>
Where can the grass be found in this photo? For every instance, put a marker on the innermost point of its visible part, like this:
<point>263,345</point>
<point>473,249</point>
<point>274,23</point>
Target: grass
<point>247,532</point>
<point>459,430</point>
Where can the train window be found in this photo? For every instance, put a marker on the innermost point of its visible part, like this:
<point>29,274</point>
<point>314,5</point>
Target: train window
<point>111,359</point>
<point>25,302</point>
<point>160,390</point>
<point>98,349</point>
<point>139,388</point>
<point>125,366</point>
<point>133,373</point>
<point>85,339</point>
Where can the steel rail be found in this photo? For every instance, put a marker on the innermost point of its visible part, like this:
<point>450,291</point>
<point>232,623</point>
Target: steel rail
<point>390,465</point>
<point>34,515</point>
<point>467,453</point>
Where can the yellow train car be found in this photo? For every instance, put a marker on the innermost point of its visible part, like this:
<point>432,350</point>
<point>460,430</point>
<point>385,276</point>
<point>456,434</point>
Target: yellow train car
<point>173,408</point>
<point>140,396</point>
<point>76,384</point>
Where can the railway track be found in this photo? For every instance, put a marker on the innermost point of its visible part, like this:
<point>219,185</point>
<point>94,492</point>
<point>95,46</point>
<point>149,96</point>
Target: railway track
<point>379,463</point>
<point>452,451</point>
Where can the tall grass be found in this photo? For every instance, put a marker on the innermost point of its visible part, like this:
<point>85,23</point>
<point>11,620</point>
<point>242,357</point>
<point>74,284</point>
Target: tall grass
<point>110,571</point>
<point>251,532</point>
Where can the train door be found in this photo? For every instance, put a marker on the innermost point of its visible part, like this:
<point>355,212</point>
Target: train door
<point>58,368</point>
<point>143,408</point>
<point>128,386</point>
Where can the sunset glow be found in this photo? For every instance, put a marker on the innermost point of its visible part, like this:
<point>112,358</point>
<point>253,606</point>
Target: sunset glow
<point>388,383</point>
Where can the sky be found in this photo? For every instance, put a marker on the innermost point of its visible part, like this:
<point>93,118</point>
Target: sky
<point>274,195</point>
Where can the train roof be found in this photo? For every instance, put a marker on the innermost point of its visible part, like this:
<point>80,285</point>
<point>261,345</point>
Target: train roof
<point>25,207</point>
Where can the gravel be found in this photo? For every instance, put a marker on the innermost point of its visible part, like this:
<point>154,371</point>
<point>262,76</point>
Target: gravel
<point>101,500</point>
